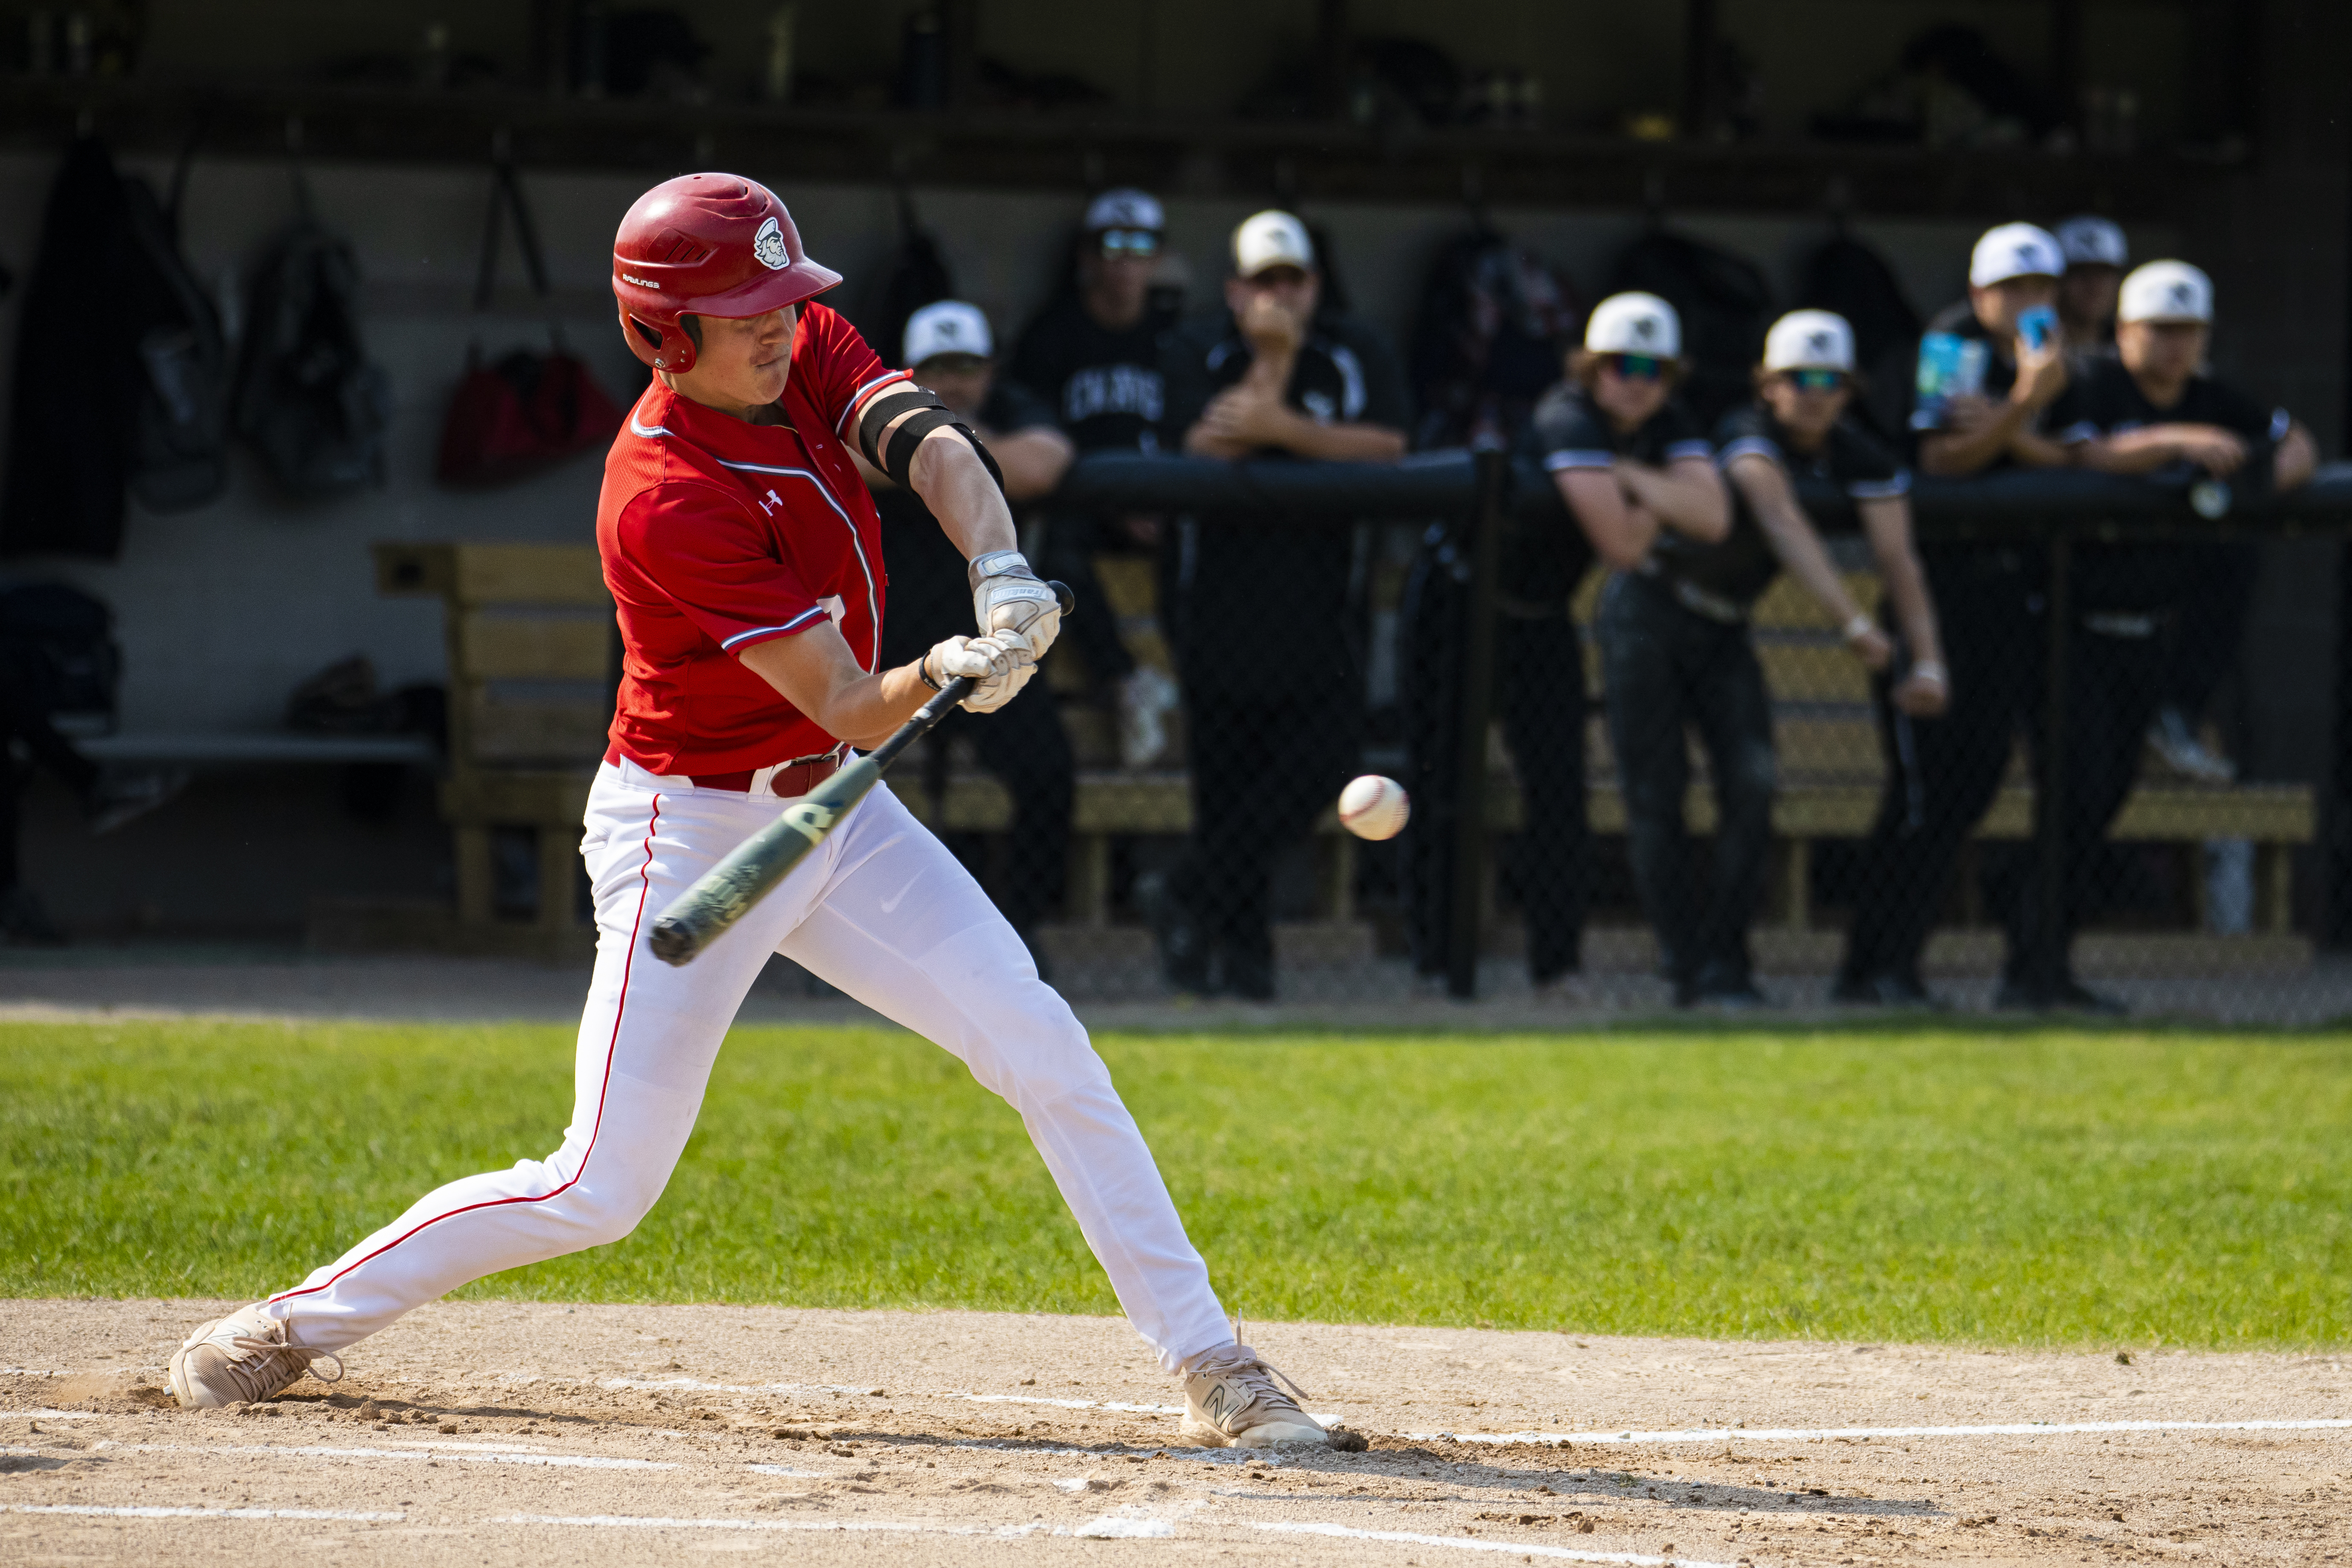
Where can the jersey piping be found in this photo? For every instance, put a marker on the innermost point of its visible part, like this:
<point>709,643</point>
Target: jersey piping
<point>873,604</point>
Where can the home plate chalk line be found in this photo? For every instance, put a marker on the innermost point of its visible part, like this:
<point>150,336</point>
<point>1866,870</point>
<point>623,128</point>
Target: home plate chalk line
<point>1822,1433</point>
<point>153,1513</point>
<point>1523,1548</point>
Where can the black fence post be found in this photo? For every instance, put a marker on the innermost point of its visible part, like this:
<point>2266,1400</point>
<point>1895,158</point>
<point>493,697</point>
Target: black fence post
<point>2046,964</point>
<point>1474,705</point>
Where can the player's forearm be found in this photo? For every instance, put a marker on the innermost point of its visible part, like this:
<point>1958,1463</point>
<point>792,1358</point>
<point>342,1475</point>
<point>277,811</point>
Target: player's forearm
<point>1692,504</point>
<point>1348,443</point>
<point>2034,451</point>
<point>961,492</point>
<point>1887,525</point>
<point>2132,452</point>
<point>1621,534</point>
<point>1801,551</point>
<point>1955,454</point>
<point>816,673</point>
<point>2297,459</point>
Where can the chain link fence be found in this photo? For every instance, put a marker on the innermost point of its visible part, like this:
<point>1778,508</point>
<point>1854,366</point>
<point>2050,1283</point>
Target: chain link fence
<point>1618,800</point>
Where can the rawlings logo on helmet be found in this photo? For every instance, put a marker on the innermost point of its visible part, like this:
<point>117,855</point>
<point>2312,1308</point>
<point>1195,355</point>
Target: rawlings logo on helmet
<point>2183,297</point>
<point>768,245</point>
<point>1646,328</point>
<point>1819,342</point>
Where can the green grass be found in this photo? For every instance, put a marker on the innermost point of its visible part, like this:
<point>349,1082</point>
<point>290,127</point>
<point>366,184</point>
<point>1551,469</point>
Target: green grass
<point>2033,1188</point>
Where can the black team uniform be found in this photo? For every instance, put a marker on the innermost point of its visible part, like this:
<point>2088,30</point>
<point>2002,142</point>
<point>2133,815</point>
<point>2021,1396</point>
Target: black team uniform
<point>1022,742</point>
<point>1638,631</point>
<point>1264,615</point>
<point>1105,391</point>
<point>1942,774</point>
<point>1713,589</point>
<point>2135,602</point>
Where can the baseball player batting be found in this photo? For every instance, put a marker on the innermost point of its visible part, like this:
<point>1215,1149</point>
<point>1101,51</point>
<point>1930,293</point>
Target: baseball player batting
<point>744,559</point>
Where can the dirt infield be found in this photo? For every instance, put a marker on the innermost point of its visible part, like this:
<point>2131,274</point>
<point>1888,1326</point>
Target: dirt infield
<point>495,1432</point>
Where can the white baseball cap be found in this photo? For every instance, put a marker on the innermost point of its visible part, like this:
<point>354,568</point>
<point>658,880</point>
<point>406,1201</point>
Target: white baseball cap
<point>2166,292</point>
<point>949,327</point>
<point>1125,209</point>
<point>1634,324</point>
<point>1809,339</point>
<point>2089,241</point>
<point>1271,239</point>
<point>2014,250</point>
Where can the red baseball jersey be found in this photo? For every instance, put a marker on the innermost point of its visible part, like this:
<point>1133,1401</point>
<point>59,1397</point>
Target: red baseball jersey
<point>717,535</point>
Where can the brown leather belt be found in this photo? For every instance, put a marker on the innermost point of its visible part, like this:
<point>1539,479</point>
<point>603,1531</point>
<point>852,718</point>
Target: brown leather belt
<point>788,783</point>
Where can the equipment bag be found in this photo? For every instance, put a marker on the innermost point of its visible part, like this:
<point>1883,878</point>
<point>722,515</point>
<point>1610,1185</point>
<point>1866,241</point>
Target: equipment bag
<point>179,452</point>
<point>59,642</point>
<point>526,412</point>
<point>308,398</point>
<point>1494,318</point>
<point>1725,306</point>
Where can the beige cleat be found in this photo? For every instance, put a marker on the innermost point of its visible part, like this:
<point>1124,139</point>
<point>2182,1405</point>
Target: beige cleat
<point>1232,1400</point>
<point>244,1357</point>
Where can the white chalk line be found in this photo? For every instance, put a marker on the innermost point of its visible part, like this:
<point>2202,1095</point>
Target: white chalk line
<point>151,1513</point>
<point>698,1386</point>
<point>1106,1528</point>
<point>456,1457</point>
<point>48,1414</point>
<point>1458,1543</point>
<point>1825,1433</point>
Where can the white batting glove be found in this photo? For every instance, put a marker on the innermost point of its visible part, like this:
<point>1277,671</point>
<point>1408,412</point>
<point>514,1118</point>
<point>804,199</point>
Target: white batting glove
<point>1006,595</point>
<point>999,665</point>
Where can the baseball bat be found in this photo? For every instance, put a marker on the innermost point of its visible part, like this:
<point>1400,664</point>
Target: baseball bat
<point>748,873</point>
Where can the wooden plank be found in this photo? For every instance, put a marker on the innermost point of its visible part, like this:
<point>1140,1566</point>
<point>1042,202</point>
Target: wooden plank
<point>515,647</point>
<point>564,733</point>
<point>1820,671</point>
<point>528,574</point>
<point>516,795</point>
<point>1787,607</point>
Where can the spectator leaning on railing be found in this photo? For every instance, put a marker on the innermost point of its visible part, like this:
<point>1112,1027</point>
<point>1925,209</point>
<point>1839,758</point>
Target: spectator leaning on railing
<point>1989,369</point>
<point>949,350</point>
<point>1259,610</point>
<point>2147,609</point>
<point>1093,355</point>
<point>1799,424</point>
<point>2153,411</point>
<point>1638,477</point>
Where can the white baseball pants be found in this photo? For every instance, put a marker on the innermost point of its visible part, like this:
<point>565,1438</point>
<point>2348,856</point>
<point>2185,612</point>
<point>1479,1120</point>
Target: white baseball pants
<point>880,910</point>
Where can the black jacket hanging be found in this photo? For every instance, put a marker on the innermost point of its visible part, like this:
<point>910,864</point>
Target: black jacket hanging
<point>77,388</point>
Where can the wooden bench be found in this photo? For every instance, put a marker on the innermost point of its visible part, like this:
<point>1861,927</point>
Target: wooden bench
<point>529,629</point>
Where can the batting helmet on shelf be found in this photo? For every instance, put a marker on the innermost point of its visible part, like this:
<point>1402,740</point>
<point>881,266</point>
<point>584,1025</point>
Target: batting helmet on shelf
<point>706,245</point>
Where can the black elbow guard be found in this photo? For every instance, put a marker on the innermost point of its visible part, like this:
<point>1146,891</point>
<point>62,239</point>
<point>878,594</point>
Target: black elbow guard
<point>894,453</point>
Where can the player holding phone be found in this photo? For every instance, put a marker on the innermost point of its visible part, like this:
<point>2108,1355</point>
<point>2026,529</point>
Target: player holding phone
<point>744,557</point>
<point>1943,771</point>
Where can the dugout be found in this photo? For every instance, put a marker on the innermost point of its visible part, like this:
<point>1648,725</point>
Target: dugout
<point>2234,156</point>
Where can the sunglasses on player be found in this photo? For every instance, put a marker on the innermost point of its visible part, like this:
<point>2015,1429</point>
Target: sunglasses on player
<point>1635,367</point>
<point>1816,380</point>
<point>1140,242</point>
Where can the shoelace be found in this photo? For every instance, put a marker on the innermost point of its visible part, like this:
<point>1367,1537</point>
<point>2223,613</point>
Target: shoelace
<point>263,1351</point>
<point>1254,1372</point>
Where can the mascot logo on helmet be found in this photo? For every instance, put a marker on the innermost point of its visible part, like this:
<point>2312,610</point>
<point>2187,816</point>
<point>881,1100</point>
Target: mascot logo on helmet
<point>768,245</point>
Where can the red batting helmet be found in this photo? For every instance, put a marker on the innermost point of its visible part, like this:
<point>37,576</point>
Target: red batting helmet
<point>706,245</point>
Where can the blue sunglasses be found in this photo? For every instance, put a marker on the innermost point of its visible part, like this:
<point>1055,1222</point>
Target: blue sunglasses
<point>1638,367</point>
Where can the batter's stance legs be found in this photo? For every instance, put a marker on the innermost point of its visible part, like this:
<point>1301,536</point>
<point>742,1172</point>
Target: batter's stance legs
<point>882,911</point>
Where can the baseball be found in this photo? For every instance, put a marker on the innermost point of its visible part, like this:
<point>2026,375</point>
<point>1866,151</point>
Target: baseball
<point>1374,807</point>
